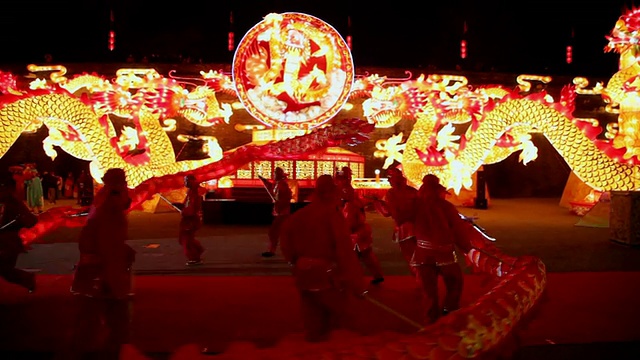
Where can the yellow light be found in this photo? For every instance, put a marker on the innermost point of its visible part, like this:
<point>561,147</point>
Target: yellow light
<point>225,182</point>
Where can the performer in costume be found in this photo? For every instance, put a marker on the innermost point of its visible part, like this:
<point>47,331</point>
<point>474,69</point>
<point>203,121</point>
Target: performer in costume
<point>14,215</point>
<point>103,274</point>
<point>437,225</point>
<point>316,242</point>
<point>281,195</point>
<point>361,235</point>
<point>104,268</point>
<point>399,204</point>
<point>191,221</point>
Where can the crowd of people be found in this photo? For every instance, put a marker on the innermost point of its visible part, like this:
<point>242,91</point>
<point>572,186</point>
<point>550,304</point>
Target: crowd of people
<point>40,188</point>
<point>327,243</point>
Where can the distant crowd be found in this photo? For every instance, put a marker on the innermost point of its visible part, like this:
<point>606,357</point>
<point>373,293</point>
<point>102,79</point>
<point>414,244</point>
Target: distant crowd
<point>36,187</point>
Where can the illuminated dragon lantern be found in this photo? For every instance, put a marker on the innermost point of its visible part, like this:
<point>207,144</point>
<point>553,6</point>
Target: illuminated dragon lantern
<point>457,128</point>
<point>80,114</point>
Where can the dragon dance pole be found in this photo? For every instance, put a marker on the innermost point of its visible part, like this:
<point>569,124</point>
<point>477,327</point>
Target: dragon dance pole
<point>170,203</point>
<point>393,312</point>
<point>9,223</point>
<point>267,186</point>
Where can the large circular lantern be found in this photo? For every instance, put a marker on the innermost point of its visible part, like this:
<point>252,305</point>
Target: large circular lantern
<point>293,71</point>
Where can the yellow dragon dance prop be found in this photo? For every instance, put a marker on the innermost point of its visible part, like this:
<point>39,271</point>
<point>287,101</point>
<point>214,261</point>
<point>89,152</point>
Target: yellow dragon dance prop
<point>457,128</point>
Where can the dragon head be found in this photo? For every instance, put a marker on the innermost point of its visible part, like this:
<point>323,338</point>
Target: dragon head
<point>385,107</point>
<point>625,35</point>
<point>201,107</point>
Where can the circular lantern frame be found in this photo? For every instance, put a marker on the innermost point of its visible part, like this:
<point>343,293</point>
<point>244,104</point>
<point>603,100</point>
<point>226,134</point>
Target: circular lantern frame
<point>293,71</point>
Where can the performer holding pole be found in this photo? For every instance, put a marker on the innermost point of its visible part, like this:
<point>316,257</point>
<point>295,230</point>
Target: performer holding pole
<point>437,226</point>
<point>316,243</point>
<point>399,203</point>
<point>361,234</point>
<point>281,196</point>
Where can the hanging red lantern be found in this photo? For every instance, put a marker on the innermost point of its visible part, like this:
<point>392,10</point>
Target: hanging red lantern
<point>569,55</point>
<point>112,40</point>
<point>463,49</point>
<point>231,44</point>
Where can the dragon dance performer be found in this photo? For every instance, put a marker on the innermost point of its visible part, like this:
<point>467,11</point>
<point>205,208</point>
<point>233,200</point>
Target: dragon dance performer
<point>104,267</point>
<point>190,222</point>
<point>399,204</point>
<point>437,228</point>
<point>361,234</point>
<point>103,275</point>
<point>281,196</point>
<point>316,242</point>
<point>14,215</point>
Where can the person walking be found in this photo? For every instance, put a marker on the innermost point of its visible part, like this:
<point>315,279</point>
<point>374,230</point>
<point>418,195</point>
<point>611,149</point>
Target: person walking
<point>50,186</point>
<point>67,191</point>
<point>316,243</point>
<point>437,225</point>
<point>14,215</point>
<point>190,222</point>
<point>81,190</point>
<point>33,187</point>
<point>281,196</point>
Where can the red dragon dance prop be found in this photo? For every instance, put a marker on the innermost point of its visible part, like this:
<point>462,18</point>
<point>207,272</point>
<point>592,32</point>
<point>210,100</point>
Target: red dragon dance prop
<point>343,132</point>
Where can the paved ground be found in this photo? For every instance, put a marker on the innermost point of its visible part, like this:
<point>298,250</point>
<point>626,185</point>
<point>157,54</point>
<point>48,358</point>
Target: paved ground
<point>533,226</point>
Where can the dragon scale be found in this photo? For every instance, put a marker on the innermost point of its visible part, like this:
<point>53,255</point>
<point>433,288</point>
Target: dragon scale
<point>584,158</point>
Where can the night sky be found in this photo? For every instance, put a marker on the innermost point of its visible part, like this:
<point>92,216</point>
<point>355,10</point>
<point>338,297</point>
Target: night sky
<point>520,36</point>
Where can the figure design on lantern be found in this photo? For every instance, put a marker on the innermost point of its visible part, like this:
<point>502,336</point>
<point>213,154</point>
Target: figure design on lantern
<point>293,71</point>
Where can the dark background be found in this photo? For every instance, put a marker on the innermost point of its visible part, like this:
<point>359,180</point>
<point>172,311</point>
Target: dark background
<point>506,36</point>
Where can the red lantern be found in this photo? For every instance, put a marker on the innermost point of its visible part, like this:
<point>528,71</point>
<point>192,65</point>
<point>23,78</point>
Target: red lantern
<point>112,40</point>
<point>231,44</point>
<point>463,49</point>
<point>569,57</point>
